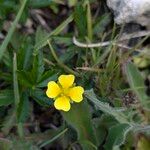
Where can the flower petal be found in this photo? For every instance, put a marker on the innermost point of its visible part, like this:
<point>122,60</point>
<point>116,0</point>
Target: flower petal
<point>66,81</point>
<point>62,103</point>
<point>53,89</point>
<point>75,93</point>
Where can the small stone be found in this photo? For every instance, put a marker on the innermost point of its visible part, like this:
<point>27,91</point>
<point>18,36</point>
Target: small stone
<point>131,11</point>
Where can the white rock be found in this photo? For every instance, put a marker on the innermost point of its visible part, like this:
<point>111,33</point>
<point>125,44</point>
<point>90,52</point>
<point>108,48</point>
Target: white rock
<point>126,11</point>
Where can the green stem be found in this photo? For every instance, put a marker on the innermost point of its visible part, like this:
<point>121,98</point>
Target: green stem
<point>89,29</point>
<point>89,22</point>
<point>16,93</point>
<point>20,130</point>
<point>60,63</point>
<point>15,81</point>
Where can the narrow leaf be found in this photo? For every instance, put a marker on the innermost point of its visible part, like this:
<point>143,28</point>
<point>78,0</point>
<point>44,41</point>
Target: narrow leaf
<point>43,42</point>
<point>54,138</point>
<point>80,19</point>
<point>11,30</point>
<point>23,108</point>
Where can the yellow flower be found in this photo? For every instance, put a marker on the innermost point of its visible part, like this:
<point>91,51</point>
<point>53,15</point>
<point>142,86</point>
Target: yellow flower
<point>64,92</point>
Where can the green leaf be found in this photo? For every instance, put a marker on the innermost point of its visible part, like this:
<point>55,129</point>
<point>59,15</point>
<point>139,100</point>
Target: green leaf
<point>38,66</point>
<point>23,108</point>
<point>67,56</point>
<point>40,97</point>
<point>136,83</point>
<point>111,63</point>
<point>40,34</point>
<point>15,41</point>
<point>31,78</point>
<point>80,19</point>
<point>101,24</point>
<point>46,77</point>
<point>116,136</point>
<point>24,54</point>
<point>15,81</point>
<point>79,117</point>
<point>102,125</point>
<point>7,59</point>
<point>11,30</point>
<point>6,97</point>
<point>43,42</point>
<point>25,79</point>
<point>106,108</point>
<point>16,93</point>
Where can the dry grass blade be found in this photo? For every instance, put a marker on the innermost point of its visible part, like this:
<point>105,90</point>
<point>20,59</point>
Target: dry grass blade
<point>102,44</point>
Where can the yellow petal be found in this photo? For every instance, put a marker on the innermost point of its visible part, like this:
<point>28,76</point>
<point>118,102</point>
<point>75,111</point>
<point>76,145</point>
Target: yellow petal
<point>53,89</point>
<point>62,103</point>
<point>66,81</point>
<point>75,93</point>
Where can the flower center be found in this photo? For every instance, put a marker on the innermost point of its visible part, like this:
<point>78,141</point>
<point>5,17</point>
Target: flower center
<point>65,92</point>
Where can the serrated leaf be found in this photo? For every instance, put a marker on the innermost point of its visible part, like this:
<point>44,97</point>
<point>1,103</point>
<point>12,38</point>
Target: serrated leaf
<point>79,118</point>
<point>6,97</point>
<point>136,83</point>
